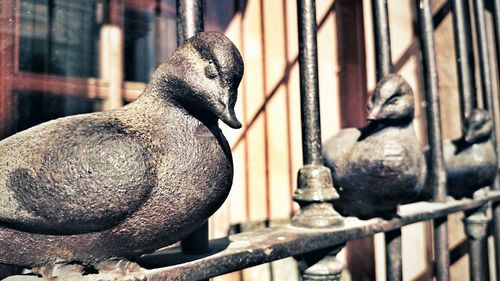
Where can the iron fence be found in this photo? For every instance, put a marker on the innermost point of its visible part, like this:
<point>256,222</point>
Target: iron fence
<point>317,233</point>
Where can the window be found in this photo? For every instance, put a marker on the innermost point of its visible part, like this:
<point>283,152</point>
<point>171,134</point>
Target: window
<point>58,37</point>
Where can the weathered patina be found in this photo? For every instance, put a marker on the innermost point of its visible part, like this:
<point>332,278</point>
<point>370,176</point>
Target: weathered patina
<point>379,166</point>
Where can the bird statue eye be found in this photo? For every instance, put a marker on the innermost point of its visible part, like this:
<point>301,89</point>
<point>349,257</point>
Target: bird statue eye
<point>211,71</point>
<point>392,100</point>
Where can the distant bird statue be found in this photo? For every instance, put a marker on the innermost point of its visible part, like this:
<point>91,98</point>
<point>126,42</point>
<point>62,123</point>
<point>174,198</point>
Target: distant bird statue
<point>379,166</point>
<point>121,183</point>
<point>470,160</point>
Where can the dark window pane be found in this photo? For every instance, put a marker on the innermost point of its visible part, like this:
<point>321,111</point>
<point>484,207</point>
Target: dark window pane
<point>139,46</point>
<point>58,37</point>
<point>35,107</point>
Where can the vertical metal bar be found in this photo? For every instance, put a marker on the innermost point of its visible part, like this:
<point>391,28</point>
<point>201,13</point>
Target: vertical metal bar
<point>309,98</point>
<point>476,225</point>
<point>488,100</point>
<point>436,170</point>
<point>496,229</point>
<point>383,62</point>
<point>465,56</point>
<point>394,264</point>
<point>189,19</point>
<point>315,190</point>
<point>484,62</point>
<point>496,186</point>
<point>321,265</point>
<point>383,57</point>
<point>441,255</point>
<point>189,22</point>
<point>496,22</point>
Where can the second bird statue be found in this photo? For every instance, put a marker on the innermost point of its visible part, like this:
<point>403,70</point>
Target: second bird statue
<point>125,182</point>
<point>379,166</point>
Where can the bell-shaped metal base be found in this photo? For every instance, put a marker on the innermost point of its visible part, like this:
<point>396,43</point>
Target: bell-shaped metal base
<point>319,215</point>
<point>321,265</point>
<point>314,194</point>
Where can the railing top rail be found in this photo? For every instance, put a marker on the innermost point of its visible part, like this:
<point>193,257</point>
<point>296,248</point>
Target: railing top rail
<point>256,247</point>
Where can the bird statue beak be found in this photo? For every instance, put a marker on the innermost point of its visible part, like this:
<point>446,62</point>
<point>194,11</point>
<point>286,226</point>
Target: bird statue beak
<point>227,114</point>
<point>373,115</point>
<point>470,137</point>
<point>229,117</point>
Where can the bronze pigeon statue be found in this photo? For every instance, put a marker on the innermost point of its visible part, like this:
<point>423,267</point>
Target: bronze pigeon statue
<point>471,159</point>
<point>379,166</point>
<point>125,182</point>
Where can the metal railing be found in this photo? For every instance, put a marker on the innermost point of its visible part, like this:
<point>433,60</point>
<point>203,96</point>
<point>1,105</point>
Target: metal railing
<point>317,232</point>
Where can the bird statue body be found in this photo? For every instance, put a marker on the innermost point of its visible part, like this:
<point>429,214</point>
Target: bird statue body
<point>121,183</point>
<point>470,160</point>
<point>379,166</point>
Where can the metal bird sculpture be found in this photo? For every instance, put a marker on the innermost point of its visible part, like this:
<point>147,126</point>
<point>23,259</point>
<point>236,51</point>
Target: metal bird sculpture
<point>379,166</point>
<point>471,159</point>
<point>121,183</point>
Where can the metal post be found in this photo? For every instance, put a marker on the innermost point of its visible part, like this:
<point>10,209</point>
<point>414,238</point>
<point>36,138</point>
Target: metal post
<point>465,56</point>
<point>486,84</point>
<point>189,22</point>
<point>394,264</point>
<point>189,19</point>
<point>495,209</point>
<point>476,222</point>
<point>383,61</point>
<point>321,265</point>
<point>476,226</point>
<point>315,191</point>
<point>496,19</point>
<point>436,170</point>
<point>484,62</point>
<point>496,185</point>
<point>315,188</point>
<point>383,57</point>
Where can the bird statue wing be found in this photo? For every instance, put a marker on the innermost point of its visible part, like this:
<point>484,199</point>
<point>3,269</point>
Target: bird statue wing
<point>72,175</point>
<point>336,150</point>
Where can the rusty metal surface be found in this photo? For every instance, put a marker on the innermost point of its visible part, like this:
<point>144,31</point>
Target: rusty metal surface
<point>436,166</point>
<point>256,247</point>
<point>464,55</point>
<point>315,190</point>
<point>252,248</point>
<point>383,58</point>
<point>393,255</point>
<point>476,228</point>
<point>129,181</point>
<point>321,265</point>
<point>189,18</point>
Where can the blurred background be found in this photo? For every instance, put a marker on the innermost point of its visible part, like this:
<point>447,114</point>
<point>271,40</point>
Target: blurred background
<point>59,58</point>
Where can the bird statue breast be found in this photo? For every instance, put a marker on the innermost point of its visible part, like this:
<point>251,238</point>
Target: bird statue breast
<point>470,160</point>
<point>379,166</point>
<point>124,182</point>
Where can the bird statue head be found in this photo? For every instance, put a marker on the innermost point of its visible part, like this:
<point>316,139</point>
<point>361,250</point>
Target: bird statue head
<point>477,127</point>
<point>392,101</point>
<point>202,76</point>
